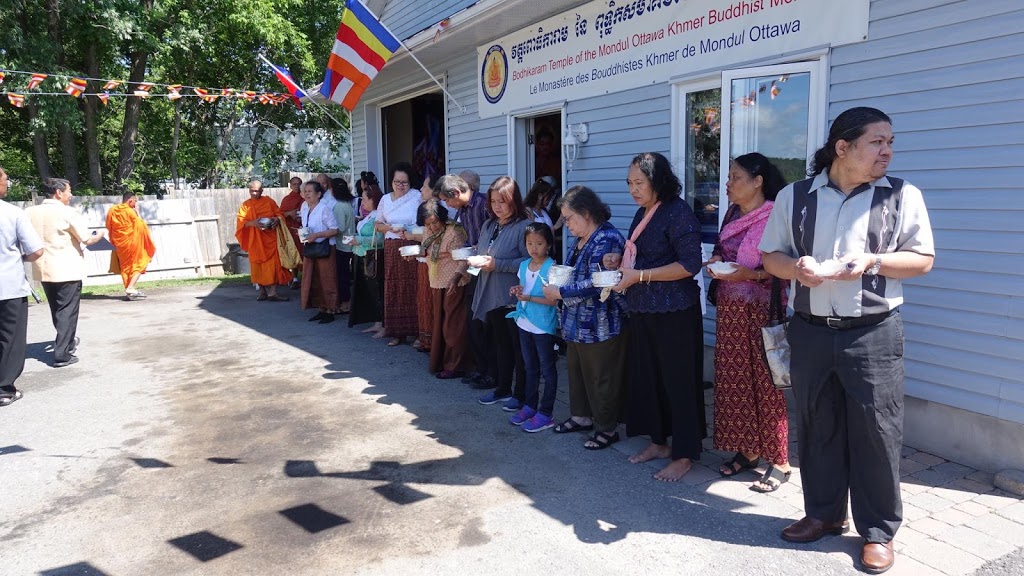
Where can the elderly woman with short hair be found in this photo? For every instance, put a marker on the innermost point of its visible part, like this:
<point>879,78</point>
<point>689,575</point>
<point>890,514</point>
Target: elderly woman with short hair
<point>319,275</point>
<point>593,329</point>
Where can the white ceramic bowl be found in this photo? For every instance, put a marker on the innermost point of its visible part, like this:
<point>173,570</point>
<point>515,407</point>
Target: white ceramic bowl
<point>397,228</point>
<point>606,278</point>
<point>411,250</point>
<point>265,222</point>
<point>559,275</point>
<point>721,268</point>
<point>416,230</point>
<point>477,261</point>
<point>829,268</point>
<point>347,239</point>
<point>421,260</point>
<point>463,253</point>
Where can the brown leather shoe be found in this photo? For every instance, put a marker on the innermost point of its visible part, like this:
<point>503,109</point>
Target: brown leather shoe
<point>809,529</point>
<point>877,557</point>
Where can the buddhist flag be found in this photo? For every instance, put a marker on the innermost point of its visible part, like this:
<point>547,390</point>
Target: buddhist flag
<point>142,90</point>
<point>775,90</point>
<point>205,95</point>
<point>174,92</point>
<point>265,99</point>
<point>111,84</point>
<point>293,87</point>
<point>76,87</point>
<point>2,77</point>
<point>249,95</point>
<point>361,48</point>
<point>35,81</point>
<point>17,100</point>
<point>104,97</point>
<point>227,92</point>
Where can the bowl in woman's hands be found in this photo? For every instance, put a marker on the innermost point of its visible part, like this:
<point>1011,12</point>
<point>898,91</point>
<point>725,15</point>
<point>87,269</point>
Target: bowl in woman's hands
<point>722,268</point>
<point>347,239</point>
<point>411,250</point>
<point>606,278</point>
<point>397,227</point>
<point>416,230</point>
<point>463,253</point>
<point>478,261</point>
<point>559,275</point>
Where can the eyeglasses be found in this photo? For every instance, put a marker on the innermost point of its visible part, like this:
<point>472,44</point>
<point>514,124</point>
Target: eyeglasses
<point>399,182</point>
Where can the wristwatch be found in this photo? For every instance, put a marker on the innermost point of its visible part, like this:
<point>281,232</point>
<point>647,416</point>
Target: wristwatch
<point>874,268</point>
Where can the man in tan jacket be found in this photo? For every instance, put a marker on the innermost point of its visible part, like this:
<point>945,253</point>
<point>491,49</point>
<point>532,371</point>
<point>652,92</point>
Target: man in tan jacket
<point>62,266</point>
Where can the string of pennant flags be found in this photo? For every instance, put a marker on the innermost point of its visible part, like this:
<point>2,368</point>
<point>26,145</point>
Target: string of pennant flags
<point>79,87</point>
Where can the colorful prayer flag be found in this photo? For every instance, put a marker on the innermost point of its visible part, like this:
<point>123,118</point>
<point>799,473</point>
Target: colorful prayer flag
<point>142,90</point>
<point>227,92</point>
<point>76,87</point>
<point>266,99</point>
<point>775,90</point>
<point>17,100</point>
<point>174,92</point>
<point>2,77</point>
<point>104,97</point>
<point>205,95</point>
<point>35,81</point>
<point>439,28</point>
<point>111,84</point>
<point>293,87</point>
<point>248,95</point>
<point>361,48</point>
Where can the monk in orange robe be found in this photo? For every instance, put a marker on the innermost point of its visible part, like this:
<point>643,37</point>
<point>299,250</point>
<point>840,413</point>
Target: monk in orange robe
<point>133,247</point>
<point>290,206</point>
<point>261,242</point>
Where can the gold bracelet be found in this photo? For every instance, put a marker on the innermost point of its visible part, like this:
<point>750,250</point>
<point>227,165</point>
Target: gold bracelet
<point>649,274</point>
<point>641,280</point>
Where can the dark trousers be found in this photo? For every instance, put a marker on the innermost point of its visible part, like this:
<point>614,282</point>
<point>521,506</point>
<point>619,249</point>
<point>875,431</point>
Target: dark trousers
<point>848,386</point>
<point>666,390</point>
<point>64,299</point>
<point>344,272</point>
<point>597,378</point>
<point>13,333</point>
<point>505,359</point>
<point>538,351</point>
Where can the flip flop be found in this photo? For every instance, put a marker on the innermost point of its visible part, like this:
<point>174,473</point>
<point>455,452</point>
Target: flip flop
<point>740,460</point>
<point>571,425</point>
<point>277,298</point>
<point>8,400</point>
<point>396,341</point>
<point>772,478</point>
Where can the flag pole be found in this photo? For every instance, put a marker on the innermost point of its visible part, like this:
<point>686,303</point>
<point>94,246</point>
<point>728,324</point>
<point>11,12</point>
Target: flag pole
<point>310,100</point>
<point>417,60</point>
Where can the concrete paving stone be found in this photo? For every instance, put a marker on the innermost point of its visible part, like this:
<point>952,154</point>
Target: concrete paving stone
<point>699,474</point>
<point>906,536</point>
<point>997,499</point>
<point>1011,480</point>
<point>971,486</point>
<point>975,542</point>
<point>1014,512</point>
<point>930,502</point>
<point>952,516</point>
<point>981,476</point>
<point>794,500</point>
<point>906,566</point>
<point>907,451</point>
<point>953,494</point>
<point>999,527</point>
<point>954,469</point>
<point>929,526</point>
<point>942,557</point>
<point>731,491</point>
<point>933,477</point>
<point>909,466</point>
<point>912,485</point>
<point>973,508</point>
<point>927,459</point>
<point>912,513</point>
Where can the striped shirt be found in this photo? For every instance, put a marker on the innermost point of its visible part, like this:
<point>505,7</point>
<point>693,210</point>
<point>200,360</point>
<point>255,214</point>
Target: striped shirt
<point>814,218</point>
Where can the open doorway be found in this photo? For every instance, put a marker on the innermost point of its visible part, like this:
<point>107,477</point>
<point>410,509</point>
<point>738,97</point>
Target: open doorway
<point>538,164</point>
<point>413,131</point>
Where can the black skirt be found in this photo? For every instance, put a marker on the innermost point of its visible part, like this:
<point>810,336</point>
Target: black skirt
<point>367,293</point>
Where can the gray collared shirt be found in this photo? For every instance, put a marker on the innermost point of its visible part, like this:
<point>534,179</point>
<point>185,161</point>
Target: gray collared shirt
<point>17,238</point>
<point>876,218</point>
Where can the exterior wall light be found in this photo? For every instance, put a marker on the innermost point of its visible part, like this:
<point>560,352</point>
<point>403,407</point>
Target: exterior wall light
<point>575,134</point>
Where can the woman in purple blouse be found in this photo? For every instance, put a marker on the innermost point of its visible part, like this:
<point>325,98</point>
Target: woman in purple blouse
<point>666,396</point>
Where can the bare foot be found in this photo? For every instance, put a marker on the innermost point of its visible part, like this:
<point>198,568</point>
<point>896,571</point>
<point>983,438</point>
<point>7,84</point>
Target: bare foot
<point>652,452</point>
<point>375,328</point>
<point>675,470</point>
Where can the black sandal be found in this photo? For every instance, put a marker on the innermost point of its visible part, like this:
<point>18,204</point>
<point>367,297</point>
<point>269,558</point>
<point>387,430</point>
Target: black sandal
<point>601,440</point>
<point>571,425</point>
<point>738,460</point>
<point>8,400</point>
<point>772,478</point>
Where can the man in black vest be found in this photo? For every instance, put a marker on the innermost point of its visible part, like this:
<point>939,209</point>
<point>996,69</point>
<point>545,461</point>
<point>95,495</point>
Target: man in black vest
<point>848,236</point>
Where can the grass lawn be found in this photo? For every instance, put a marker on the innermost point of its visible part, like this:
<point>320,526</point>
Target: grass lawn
<point>155,285</point>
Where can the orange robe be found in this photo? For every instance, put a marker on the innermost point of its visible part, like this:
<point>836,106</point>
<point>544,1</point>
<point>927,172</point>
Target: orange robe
<point>129,234</point>
<point>293,201</point>
<point>264,261</point>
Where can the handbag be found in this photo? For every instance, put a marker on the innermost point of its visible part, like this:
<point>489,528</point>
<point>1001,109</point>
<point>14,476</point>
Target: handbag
<point>776,342</point>
<point>370,259</point>
<point>316,250</point>
<point>712,292</point>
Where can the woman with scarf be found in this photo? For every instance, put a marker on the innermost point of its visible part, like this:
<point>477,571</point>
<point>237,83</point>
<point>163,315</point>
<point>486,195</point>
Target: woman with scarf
<point>448,280</point>
<point>750,414</point>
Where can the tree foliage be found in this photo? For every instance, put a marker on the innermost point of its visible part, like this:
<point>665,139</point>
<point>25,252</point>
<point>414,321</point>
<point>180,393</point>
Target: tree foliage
<point>134,143</point>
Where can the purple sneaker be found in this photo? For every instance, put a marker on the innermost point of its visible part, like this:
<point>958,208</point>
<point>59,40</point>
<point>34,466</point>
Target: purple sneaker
<point>538,423</point>
<point>524,414</point>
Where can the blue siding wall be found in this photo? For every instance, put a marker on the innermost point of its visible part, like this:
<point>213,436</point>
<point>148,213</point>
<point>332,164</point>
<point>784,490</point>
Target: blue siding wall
<point>405,18</point>
<point>474,143</point>
<point>951,75</point>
